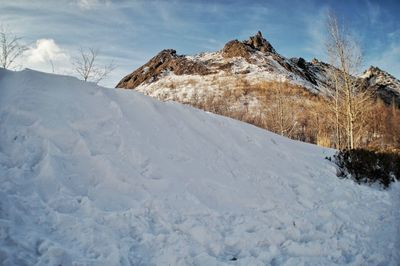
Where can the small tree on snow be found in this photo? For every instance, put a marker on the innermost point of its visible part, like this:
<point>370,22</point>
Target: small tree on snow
<point>10,46</point>
<point>88,69</point>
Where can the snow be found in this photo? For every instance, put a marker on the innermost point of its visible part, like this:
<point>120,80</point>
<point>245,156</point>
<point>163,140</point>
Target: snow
<point>98,176</point>
<point>182,87</point>
<point>378,76</point>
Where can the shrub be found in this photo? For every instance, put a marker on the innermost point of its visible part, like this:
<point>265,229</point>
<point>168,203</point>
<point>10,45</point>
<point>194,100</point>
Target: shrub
<point>365,166</point>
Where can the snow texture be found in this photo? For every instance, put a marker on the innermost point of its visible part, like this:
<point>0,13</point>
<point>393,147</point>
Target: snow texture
<point>98,176</point>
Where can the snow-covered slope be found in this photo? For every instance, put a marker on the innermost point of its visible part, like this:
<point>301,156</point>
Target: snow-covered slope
<point>97,176</point>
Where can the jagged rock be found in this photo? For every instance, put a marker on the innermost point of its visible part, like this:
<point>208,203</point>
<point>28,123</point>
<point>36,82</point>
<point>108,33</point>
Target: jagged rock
<point>385,86</point>
<point>237,49</point>
<point>259,43</point>
<point>314,61</point>
<point>166,61</point>
<point>246,48</point>
<point>300,62</point>
<point>256,43</point>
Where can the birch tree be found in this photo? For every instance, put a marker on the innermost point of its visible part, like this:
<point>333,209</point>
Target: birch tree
<point>335,104</point>
<point>345,55</point>
<point>281,110</point>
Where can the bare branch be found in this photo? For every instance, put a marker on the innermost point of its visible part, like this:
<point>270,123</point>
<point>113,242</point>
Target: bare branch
<point>10,48</point>
<point>350,104</point>
<point>87,68</point>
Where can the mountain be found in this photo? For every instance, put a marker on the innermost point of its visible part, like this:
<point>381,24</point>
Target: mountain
<point>385,85</point>
<point>98,176</point>
<point>254,60</point>
<point>250,81</point>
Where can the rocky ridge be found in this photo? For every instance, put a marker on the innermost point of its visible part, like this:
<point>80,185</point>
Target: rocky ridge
<point>166,61</point>
<point>254,59</point>
<point>386,86</point>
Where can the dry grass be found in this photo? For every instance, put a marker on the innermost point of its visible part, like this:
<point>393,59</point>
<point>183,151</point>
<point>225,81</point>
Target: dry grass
<point>286,109</point>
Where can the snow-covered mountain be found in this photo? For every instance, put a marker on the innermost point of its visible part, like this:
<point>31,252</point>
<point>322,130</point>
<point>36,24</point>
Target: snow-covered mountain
<point>384,84</point>
<point>255,60</point>
<point>98,176</point>
<point>169,76</point>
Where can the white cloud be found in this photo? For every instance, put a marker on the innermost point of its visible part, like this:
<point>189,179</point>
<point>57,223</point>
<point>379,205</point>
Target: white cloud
<point>46,55</point>
<point>45,50</point>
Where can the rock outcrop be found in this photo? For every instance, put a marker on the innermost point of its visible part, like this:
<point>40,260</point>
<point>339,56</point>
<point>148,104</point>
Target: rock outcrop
<point>246,48</point>
<point>259,43</point>
<point>166,61</point>
<point>383,84</point>
<point>169,61</point>
<point>236,48</point>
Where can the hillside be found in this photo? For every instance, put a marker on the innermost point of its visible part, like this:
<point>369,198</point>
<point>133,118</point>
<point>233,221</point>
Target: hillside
<point>254,60</point>
<point>250,81</point>
<point>98,176</point>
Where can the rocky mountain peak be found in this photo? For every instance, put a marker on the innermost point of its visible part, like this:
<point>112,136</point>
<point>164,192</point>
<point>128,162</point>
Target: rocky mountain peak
<point>259,43</point>
<point>374,71</point>
<point>165,61</point>
<point>246,48</point>
<point>374,74</point>
<point>371,71</point>
<point>386,86</point>
<point>254,59</point>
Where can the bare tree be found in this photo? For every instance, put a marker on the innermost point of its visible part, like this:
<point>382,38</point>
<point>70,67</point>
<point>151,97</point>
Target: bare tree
<point>87,67</point>
<point>335,105</point>
<point>281,112</point>
<point>10,46</point>
<point>345,55</point>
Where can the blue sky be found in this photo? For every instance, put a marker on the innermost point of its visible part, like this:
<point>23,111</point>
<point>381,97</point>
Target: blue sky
<point>131,32</point>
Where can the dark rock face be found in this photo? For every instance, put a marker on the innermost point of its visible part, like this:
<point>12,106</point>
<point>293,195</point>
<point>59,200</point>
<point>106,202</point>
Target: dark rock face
<point>384,85</point>
<point>237,49</point>
<point>245,49</point>
<point>259,43</point>
<point>300,62</point>
<point>166,60</point>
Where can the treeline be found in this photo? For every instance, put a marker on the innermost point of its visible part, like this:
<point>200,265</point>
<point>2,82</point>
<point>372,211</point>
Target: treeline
<point>295,112</point>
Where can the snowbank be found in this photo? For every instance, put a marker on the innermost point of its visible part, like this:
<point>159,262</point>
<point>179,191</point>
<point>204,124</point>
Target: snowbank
<point>97,176</point>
